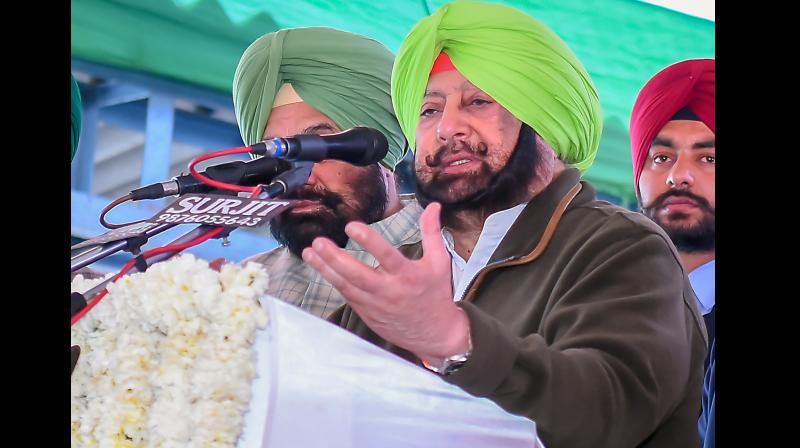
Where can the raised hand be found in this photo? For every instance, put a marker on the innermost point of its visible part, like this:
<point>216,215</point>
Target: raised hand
<point>407,302</point>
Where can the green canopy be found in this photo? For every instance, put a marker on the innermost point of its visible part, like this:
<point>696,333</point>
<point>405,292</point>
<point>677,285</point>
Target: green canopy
<point>622,43</point>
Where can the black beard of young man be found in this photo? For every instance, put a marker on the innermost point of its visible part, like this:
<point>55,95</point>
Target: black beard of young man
<point>297,232</point>
<point>505,189</point>
<point>688,239</point>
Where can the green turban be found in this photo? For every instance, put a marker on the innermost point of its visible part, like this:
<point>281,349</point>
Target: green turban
<point>75,112</point>
<point>516,60</point>
<point>343,75</point>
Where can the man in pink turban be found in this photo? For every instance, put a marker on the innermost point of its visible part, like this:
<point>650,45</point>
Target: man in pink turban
<point>674,164</point>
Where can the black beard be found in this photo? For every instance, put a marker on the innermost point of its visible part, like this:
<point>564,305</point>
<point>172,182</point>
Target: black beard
<point>687,239</point>
<point>297,232</point>
<point>503,190</point>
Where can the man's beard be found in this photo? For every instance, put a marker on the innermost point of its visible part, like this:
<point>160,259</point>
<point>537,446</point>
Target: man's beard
<point>688,239</point>
<point>486,193</point>
<point>297,231</point>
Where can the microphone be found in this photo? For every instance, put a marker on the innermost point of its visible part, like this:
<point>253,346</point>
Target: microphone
<point>250,173</point>
<point>358,146</point>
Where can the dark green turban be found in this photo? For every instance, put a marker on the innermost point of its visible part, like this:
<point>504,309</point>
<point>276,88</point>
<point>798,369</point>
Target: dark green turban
<point>75,112</point>
<point>516,60</point>
<point>343,75</point>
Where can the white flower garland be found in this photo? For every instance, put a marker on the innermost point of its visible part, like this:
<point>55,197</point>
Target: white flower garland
<point>167,359</point>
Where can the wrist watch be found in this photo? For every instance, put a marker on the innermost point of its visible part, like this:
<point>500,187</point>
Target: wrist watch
<point>451,363</point>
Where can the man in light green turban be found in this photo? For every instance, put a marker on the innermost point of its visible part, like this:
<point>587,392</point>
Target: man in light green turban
<point>525,288</point>
<point>321,80</point>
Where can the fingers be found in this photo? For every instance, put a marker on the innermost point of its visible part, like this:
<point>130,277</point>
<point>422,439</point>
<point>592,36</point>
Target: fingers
<point>390,259</point>
<point>431,230</point>
<point>340,268</point>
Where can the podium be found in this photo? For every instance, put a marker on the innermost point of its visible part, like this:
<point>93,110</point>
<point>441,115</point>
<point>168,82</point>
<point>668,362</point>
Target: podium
<point>315,385</point>
<point>321,386</point>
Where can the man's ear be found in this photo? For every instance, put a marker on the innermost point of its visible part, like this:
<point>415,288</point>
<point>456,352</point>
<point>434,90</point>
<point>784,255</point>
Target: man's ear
<point>388,179</point>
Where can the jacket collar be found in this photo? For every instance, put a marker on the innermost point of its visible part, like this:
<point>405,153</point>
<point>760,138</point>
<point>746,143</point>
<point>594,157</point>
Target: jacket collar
<point>527,231</point>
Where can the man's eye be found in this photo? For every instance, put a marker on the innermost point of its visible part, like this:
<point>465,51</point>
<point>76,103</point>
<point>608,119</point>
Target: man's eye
<point>710,159</point>
<point>427,112</point>
<point>660,159</point>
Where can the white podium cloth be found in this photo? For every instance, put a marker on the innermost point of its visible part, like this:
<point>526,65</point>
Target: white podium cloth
<point>321,386</point>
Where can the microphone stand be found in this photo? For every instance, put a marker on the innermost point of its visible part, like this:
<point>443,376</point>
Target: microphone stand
<point>284,183</point>
<point>129,244</point>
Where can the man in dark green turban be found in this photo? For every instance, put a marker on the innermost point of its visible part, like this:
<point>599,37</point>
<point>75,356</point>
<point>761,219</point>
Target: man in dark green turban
<point>322,80</point>
<point>525,288</point>
<point>75,113</point>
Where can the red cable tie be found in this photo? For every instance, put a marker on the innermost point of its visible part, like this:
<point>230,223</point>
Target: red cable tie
<point>215,183</point>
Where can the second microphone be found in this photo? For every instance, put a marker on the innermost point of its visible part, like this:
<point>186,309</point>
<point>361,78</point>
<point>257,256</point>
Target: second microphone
<point>358,146</point>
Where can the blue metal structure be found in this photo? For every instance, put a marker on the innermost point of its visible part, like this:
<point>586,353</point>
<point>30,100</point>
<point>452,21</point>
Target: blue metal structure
<point>146,104</point>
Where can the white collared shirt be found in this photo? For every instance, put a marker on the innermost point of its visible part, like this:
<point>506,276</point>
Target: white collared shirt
<point>494,230</point>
